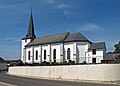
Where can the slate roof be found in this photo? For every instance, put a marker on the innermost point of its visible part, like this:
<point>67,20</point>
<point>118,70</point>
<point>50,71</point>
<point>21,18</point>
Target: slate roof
<point>30,33</point>
<point>55,38</point>
<point>100,45</point>
<point>2,60</point>
<point>76,37</point>
<point>58,38</point>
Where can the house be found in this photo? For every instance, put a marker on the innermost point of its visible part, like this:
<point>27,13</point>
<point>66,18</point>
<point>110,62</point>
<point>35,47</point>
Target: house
<point>112,58</point>
<point>61,47</point>
<point>3,64</point>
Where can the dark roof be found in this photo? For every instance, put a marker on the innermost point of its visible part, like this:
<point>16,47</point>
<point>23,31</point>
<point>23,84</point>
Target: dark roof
<point>55,38</point>
<point>76,37</point>
<point>2,60</point>
<point>31,33</point>
<point>100,45</point>
<point>58,38</point>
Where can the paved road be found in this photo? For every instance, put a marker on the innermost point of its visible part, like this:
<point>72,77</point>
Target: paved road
<point>19,81</point>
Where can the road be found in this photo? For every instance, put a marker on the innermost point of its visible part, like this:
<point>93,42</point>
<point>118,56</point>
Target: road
<point>20,81</point>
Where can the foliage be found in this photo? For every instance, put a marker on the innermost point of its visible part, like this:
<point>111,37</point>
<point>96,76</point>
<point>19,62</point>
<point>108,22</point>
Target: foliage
<point>117,48</point>
<point>109,52</point>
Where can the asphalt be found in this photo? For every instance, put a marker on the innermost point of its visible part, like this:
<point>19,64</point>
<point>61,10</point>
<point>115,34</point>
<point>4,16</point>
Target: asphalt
<point>9,80</point>
<point>6,84</point>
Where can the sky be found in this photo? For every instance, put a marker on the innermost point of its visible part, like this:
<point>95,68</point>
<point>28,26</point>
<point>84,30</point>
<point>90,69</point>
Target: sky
<point>98,20</point>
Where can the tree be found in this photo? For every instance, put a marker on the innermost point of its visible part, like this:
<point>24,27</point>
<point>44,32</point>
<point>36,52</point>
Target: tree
<point>109,52</point>
<point>117,48</point>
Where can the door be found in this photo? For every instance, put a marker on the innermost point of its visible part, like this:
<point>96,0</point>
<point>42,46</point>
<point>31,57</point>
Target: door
<point>93,60</point>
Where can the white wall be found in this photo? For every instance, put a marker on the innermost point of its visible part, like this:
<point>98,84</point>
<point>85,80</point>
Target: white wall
<point>82,48</point>
<point>57,47</point>
<point>45,47</point>
<point>98,56</point>
<point>78,52</point>
<point>31,55</point>
<point>3,66</point>
<point>37,48</point>
<point>24,43</point>
<point>66,46</point>
<point>49,53</point>
<point>98,72</point>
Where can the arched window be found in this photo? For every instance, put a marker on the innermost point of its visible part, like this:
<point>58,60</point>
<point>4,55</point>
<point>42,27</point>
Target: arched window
<point>28,55</point>
<point>68,53</point>
<point>54,55</point>
<point>36,55</point>
<point>44,54</point>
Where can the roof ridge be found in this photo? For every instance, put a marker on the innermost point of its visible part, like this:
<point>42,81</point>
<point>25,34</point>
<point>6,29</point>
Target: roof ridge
<point>54,38</point>
<point>52,34</point>
<point>98,42</point>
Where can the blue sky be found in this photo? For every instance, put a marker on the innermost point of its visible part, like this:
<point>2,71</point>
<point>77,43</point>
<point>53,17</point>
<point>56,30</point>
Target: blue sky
<point>98,20</point>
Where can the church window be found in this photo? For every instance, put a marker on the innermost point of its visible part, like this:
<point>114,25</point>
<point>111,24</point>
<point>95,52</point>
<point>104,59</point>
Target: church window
<point>36,55</point>
<point>54,55</point>
<point>44,54</point>
<point>68,53</point>
<point>94,51</point>
<point>28,55</point>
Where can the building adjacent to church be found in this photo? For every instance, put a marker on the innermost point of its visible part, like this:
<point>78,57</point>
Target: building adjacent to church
<point>3,64</point>
<point>62,47</point>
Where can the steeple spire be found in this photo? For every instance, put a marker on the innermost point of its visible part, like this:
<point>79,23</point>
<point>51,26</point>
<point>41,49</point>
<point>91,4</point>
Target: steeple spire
<point>31,32</point>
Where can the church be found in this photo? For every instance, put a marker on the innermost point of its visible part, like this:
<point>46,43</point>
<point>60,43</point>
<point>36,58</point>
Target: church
<point>61,47</point>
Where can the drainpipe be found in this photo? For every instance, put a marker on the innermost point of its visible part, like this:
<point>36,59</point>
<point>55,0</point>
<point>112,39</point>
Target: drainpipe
<point>24,56</point>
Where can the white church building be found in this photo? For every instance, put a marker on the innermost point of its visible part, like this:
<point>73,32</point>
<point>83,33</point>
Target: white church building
<point>62,47</point>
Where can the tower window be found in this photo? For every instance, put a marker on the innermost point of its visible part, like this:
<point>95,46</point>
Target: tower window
<point>94,51</point>
<point>36,55</point>
<point>68,53</point>
<point>28,55</point>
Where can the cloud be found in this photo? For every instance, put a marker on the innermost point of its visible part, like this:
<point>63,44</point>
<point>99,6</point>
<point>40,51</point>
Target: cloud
<point>64,6</point>
<point>66,9</point>
<point>51,1</point>
<point>54,3</point>
<point>89,27</point>
<point>11,5</point>
<point>10,39</point>
<point>67,12</point>
<point>17,7</point>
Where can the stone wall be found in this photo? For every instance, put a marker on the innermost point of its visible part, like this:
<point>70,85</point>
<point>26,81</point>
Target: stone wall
<point>98,72</point>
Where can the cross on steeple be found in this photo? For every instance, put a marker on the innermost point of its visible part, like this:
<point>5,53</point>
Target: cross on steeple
<point>31,10</point>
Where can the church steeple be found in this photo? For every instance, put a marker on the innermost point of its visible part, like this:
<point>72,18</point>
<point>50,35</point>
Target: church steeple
<point>31,33</point>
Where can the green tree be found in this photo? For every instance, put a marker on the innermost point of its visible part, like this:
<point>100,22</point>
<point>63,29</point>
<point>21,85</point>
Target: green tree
<point>109,52</point>
<point>117,48</point>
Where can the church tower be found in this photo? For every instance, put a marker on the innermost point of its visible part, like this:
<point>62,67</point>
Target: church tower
<point>30,36</point>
